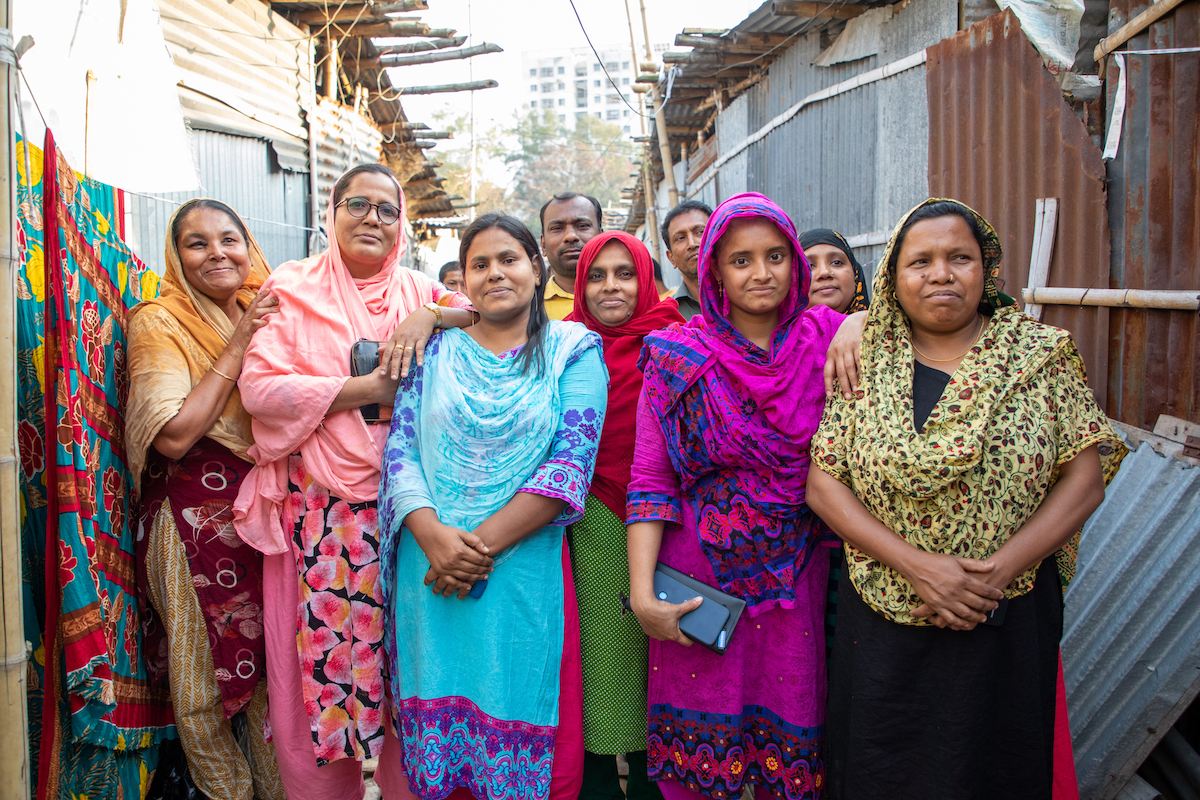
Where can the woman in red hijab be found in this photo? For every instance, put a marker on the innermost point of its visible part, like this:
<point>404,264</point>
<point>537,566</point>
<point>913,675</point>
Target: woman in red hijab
<point>615,296</point>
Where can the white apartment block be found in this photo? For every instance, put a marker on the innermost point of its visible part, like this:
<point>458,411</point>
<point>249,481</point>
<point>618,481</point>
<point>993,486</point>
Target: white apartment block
<point>572,83</point>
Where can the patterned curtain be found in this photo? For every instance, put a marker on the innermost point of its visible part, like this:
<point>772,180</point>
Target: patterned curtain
<point>95,721</point>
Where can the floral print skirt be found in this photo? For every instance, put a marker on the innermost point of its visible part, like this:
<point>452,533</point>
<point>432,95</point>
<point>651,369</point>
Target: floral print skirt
<point>340,618</point>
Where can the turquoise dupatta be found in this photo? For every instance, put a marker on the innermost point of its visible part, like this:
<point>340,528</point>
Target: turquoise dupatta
<point>475,682</point>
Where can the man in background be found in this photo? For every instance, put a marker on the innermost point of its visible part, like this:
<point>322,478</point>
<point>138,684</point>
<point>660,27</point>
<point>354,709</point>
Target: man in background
<point>451,276</point>
<point>569,221</point>
<point>681,230</point>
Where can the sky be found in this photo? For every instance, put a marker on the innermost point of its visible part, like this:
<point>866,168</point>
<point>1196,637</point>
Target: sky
<point>523,25</point>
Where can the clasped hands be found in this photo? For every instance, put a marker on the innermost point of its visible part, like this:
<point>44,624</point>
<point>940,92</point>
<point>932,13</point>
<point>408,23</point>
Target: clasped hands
<point>958,593</point>
<point>457,558</point>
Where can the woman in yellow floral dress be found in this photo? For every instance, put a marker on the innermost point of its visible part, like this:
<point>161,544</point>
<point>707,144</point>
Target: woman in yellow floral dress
<point>959,478</point>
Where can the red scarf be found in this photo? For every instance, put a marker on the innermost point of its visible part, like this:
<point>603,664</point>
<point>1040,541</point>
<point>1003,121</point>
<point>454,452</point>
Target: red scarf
<point>622,346</point>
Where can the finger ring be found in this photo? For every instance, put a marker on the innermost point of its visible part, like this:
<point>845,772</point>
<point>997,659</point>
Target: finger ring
<point>408,347</point>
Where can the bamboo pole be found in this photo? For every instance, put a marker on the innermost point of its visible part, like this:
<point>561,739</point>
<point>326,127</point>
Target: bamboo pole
<point>14,724</point>
<point>450,87</point>
<point>1135,26</point>
<point>442,55</point>
<point>422,47</point>
<point>660,120</point>
<point>1114,298</point>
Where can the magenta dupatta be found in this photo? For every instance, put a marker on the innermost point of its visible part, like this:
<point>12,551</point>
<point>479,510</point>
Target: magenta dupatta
<point>738,419</point>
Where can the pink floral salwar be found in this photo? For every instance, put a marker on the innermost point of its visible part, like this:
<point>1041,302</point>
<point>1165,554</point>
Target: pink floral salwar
<point>339,617</point>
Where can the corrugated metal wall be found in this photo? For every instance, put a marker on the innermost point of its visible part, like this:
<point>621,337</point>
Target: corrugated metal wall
<point>1000,137</point>
<point>1131,635</point>
<point>1154,212</point>
<point>241,172</point>
<point>246,70</point>
<point>855,162</point>
<point>344,139</point>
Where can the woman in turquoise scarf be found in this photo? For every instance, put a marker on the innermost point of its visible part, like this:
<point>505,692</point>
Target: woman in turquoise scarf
<point>491,452</point>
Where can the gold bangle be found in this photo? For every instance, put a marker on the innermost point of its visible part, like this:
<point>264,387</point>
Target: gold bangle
<point>213,368</point>
<point>437,312</point>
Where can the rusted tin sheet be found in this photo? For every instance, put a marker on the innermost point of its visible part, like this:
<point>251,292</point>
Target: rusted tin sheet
<point>1000,137</point>
<point>1154,211</point>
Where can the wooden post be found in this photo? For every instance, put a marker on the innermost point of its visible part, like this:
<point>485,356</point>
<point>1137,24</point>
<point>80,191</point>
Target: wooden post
<point>651,207</point>
<point>664,146</point>
<point>1045,218</point>
<point>14,725</point>
<point>331,67</point>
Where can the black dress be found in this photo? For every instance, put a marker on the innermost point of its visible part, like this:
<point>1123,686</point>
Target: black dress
<point>923,713</point>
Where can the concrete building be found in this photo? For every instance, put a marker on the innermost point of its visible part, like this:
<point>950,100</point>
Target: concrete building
<point>572,83</point>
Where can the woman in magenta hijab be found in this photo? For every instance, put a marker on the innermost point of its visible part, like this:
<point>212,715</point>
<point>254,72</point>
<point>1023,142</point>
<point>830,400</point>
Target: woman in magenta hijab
<point>729,404</point>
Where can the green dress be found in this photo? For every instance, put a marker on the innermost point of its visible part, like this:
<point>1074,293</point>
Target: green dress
<point>615,650</point>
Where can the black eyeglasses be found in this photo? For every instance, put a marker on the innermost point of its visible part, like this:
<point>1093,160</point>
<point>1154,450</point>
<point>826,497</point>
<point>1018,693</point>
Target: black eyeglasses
<point>359,207</point>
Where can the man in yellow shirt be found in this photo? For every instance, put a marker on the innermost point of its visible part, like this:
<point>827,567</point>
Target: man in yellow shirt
<point>569,221</point>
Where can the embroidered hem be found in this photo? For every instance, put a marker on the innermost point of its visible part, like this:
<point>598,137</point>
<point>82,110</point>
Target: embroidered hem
<point>717,754</point>
<point>449,742</point>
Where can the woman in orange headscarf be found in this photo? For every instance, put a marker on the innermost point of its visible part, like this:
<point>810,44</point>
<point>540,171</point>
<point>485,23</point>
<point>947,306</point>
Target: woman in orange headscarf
<point>188,437</point>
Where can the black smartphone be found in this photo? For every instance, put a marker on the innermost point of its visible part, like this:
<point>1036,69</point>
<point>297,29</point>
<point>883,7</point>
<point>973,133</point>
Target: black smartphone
<point>995,617</point>
<point>703,624</point>
<point>364,359</point>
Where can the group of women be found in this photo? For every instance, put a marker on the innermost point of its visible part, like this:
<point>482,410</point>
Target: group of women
<point>460,583</point>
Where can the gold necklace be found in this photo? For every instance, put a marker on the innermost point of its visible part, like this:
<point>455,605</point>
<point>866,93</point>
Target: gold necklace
<point>956,358</point>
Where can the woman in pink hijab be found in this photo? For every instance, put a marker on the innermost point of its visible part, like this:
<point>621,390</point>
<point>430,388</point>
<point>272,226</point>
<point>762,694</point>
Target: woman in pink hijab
<point>309,504</point>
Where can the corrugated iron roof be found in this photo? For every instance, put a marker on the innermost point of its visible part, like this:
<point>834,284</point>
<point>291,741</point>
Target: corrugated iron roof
<point>1131,637</point>
<point>245,71</point>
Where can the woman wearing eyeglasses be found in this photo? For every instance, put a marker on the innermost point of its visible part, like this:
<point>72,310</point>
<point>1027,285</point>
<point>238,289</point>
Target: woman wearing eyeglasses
<point>309,504</point>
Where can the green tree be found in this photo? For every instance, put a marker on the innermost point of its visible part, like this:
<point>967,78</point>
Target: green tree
<point>593,158</point>
<point>456,164</point>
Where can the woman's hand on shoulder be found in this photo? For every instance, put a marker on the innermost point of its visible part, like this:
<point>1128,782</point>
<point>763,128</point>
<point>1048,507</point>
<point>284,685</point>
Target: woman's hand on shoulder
<point>407,344</point>
<point>253,318</point>
<point>660,619</point>
<point>955,590</point>
<point>842,360</point>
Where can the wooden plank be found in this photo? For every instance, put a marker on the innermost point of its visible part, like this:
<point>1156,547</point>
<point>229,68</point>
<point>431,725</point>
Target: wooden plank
<point>1175,428</point>
<point>800,8</point>
<point>1045,222</point>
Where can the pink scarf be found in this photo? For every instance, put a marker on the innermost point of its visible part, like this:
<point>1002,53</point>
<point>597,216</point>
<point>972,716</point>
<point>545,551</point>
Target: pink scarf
<point>294,369</point>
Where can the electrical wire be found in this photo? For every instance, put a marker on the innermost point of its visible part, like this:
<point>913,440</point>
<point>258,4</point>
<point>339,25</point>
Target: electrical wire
<point>600,61</point>
<point>177,204</point>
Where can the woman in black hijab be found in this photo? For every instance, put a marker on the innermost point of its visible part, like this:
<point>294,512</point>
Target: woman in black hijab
<point>837,277</point>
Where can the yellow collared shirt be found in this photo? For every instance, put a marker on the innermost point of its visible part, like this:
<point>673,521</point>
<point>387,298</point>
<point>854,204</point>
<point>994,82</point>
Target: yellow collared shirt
<point>559,302</point>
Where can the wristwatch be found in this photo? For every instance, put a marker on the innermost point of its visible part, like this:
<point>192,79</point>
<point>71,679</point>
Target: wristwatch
<point>437,312</point>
